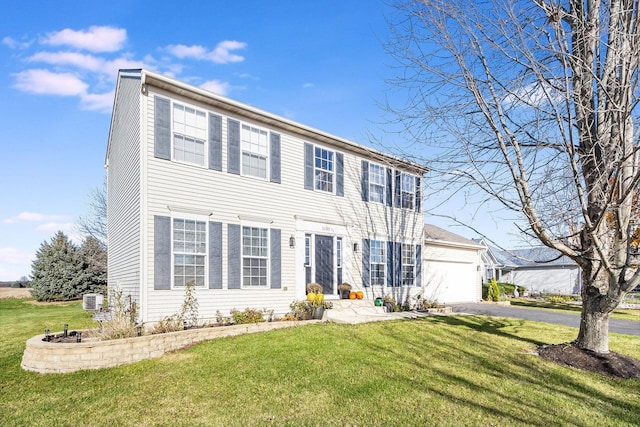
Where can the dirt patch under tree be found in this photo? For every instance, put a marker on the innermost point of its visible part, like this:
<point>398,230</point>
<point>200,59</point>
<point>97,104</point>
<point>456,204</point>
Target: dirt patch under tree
<point>611,364</point>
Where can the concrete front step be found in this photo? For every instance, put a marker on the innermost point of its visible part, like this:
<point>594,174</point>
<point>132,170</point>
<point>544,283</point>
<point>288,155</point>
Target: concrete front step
<point>357,306</point>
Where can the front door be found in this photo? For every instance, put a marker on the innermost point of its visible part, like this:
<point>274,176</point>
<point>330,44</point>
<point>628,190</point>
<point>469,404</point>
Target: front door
<point>324,263</point>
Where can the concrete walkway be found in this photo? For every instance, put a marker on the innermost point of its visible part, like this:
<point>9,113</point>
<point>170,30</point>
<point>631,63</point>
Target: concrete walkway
<point>628,327</point>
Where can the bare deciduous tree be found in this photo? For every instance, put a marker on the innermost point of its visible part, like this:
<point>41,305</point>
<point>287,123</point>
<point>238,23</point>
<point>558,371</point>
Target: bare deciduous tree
<point>94,222</point>
<point>535,103</point>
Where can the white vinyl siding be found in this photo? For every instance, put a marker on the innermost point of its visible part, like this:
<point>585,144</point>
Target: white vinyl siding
<point>189,134</point>
<point>324,169</point>
<point>255,147</point>
<point>255,257</point>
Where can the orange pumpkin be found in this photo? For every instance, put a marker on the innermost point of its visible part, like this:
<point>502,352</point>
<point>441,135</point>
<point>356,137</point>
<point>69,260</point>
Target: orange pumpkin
<point>352,295</point>
<point>360,294</point>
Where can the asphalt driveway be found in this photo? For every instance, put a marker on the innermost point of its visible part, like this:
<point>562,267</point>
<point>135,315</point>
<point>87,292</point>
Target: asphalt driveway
<point>628,327</point>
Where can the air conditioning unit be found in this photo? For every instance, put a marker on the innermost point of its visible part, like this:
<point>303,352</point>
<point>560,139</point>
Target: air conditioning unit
<point>92,302</point>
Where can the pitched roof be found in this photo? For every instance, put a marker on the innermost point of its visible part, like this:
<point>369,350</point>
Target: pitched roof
<point>433,233</point>
<point>530,257</point>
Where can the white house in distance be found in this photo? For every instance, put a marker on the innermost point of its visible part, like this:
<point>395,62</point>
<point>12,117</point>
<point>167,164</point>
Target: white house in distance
<point>539,269</point>
<point>248,205</point>
<point>451,267</point>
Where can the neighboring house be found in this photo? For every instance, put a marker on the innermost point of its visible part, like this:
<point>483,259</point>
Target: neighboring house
<point>248,205</point>
<point>451,265</point>
<point>539,270</point>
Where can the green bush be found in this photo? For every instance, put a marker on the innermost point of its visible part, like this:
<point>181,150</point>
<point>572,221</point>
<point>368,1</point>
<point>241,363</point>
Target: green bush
<point>503,287</point>
<point>249,315</point>
<point>494,291</point>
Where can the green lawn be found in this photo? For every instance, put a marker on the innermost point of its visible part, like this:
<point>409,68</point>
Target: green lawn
<point>437,371</point>
<point>623,314</point>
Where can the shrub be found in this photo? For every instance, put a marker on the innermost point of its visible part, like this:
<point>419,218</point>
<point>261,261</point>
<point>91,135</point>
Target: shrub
<point>249,315</point>
<point>124,315</point>
<point>168,324</point>
<point>558,299</point>
<point>494,291</point>
<point>189,310</point>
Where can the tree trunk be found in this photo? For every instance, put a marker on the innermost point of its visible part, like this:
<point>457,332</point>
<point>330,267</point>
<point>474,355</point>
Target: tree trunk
<point>594,326</point>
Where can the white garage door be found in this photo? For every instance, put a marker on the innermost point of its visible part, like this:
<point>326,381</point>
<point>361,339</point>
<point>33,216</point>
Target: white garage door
<point>449,282</point>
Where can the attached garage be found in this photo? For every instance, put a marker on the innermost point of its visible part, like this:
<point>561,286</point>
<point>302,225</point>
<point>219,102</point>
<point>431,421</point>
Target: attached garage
<point>451,266</point>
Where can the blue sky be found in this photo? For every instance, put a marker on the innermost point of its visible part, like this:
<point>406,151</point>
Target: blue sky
<point>321,63</point>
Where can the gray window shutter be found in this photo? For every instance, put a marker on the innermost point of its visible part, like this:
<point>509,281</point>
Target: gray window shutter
<point>234,263</point>
<point>418,194</point>
<point>233,146</point>
<point>418,265</point>
<point>275,157</point>
<point>397,192</point>
<point>215,255</point>
<point>397,264</point>
<point>339,174</point>
<point>389,186</point>
<point>162,128</point>
<point>390,273</point>
<point>366,267</point>
<point>161,252</point>
<point>215,142</point>
<point>276,256</point>
<point>365,180</point>
<point>308,166</point>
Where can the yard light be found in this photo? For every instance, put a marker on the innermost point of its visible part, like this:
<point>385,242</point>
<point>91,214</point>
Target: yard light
<point>139,330</point>
<point>79,337</point>
<point>66,330</point>
<point>47,338</point>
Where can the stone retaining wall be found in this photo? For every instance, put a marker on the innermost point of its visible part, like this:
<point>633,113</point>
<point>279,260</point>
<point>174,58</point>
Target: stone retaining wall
<point>47,357</point>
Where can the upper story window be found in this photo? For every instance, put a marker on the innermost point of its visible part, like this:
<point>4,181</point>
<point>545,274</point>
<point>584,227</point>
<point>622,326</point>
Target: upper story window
<point>255,148</point>
<point>189,134</point>
<point>323,169</point>
<point>189,243</point>
<point>407,191</point>
<point>255,257</point>
<point>377,183</point>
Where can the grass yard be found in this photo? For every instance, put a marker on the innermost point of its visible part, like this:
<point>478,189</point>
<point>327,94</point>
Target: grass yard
<point>437,371</point>
<point>620,313</point>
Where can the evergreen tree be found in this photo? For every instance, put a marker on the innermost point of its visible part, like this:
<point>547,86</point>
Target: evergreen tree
<point>93,255</point>
<point>57,270</point>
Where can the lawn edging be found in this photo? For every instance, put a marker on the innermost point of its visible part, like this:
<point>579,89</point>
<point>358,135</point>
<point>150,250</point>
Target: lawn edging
<point>48,357</point>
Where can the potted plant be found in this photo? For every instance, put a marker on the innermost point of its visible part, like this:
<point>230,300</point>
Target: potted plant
<point>344,289</point>
<point>314,292</point>
<point>301,310</point>
<point>318,308</point>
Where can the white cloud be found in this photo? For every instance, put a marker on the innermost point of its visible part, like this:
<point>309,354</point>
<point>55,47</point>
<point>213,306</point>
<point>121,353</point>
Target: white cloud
<point>79,60</point>
<point>308,85</point>
<point>45,82</point>
<point>221,54</point>
<point>216,86</point>
<point>56,226</point>
<point>14,44</point>
<point>95,39</point>
<point>35,217</point>
<point>14,256</point>
<point>98,101</point>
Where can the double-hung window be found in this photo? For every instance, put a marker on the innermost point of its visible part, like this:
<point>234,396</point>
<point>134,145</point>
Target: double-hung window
<point>378,260</point>
<point>377,183</point>
<point>189,134</point>
<point>407,191</point>
<point>255,148</point>
<point>255,257</point>
<point>189,252</point>
<point>324,169</point>
<point>408,264</point>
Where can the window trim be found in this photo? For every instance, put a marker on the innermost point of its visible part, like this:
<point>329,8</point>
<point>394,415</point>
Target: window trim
<point>403,264</point>
<point>205,161</point>
<point>267,157</point>
<point>267,228</point>
<point>333,172</point>
<point>384,184</point>
<point>413,193</point>
<point>383,246</point>
<point>197,218</point>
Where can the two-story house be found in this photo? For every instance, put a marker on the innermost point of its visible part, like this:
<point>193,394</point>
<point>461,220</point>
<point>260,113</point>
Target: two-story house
<point>249,205</point>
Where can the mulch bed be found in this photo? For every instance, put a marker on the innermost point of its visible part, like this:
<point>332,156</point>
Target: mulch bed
<point>611,364</point>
